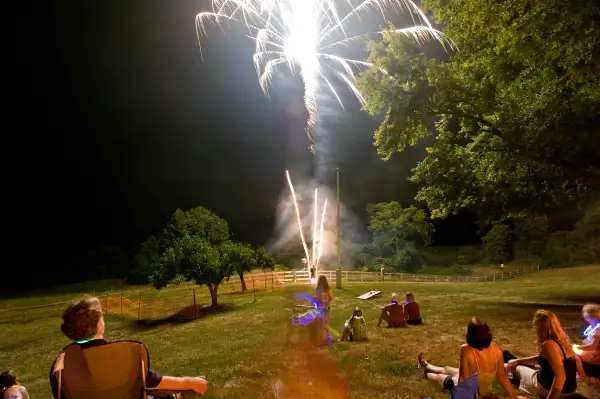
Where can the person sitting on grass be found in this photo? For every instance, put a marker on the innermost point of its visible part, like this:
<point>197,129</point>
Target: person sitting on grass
<point>393,314</point>
<point>481,356</point>
<point>589,352</point>
<point>411,310</point>
<point>10,387</point>
<point>558,365</point>
<point>83,323</point>
<point>355,328</point>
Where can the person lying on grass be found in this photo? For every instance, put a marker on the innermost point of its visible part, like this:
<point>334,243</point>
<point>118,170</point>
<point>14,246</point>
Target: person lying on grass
<point>481,356</point>
<point>83,323</point>
<point>589,352</point>
<point>411,310</point>
<point>558,366</point>
<point>10,387</point>
<point>355,328</point>
<point>393,314</point>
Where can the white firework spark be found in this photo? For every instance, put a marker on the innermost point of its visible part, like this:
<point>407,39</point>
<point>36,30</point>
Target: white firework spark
<point>304,35</point>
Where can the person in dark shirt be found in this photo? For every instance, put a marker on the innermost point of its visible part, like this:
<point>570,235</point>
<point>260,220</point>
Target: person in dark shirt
<point>83,323</point>
<point>412,313</point>
<point>392,314</point>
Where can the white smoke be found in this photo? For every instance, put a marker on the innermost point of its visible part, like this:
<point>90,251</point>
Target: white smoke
<point>287,233</point>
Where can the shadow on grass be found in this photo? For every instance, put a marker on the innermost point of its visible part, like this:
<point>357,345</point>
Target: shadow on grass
<point>185,315</point>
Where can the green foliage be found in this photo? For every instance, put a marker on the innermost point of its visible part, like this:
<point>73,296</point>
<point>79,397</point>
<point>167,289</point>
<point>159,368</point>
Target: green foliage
<point>195,259</point>
<point>516,112</point>
<point>264,260</point>
<point>239,256</point>
<point>497,243</point>
<point>397,232</point>
<point>558,249</point>
<point>145,261</point>
<point>531,234</point>
<point>199,222</point>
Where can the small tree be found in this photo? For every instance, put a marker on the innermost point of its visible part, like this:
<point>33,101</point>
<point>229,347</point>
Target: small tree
<point>196,260</point>
<point>264,260</point>
<point>239,256</point>
<point>496,243</point>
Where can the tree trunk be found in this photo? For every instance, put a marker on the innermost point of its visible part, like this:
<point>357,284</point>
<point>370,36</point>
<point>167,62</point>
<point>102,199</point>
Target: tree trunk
<point>214,293</point>
<point>244,289</point>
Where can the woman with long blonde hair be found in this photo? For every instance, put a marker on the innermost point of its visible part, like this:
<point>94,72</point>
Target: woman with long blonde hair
<point>556,377</point>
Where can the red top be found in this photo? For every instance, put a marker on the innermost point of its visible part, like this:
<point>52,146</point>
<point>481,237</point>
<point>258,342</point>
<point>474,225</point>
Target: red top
<point>396,314</point>
<point>412,310</point>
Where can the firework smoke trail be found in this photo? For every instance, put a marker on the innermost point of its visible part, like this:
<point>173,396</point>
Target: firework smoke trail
<point>321,233</point>
<point>303,34</point>
<point>287,173</point>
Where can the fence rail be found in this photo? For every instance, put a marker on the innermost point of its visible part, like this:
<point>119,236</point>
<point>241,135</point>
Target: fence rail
<point>188,300</point>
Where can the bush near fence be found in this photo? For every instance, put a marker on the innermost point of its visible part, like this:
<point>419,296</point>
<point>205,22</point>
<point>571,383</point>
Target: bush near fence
<point>183,300</point>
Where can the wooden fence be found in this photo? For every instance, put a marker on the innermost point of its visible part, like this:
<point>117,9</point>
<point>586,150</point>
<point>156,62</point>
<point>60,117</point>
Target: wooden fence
<point>185,299</point>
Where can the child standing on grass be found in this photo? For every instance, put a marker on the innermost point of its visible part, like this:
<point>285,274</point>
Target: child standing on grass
<point>10,387</point>
<point>355,328</point>
<point>324,297</point>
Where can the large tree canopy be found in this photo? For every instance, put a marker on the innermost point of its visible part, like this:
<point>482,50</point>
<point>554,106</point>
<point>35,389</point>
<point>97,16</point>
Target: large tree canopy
<point>515,112</point>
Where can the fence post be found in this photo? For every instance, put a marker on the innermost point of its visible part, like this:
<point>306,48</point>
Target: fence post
<point>139,305</point>
<point>361,276</point>
<point>538,268</point>
<point>494,277</point>
<point>254,289</point>
<point>272,287</point>
<point>265,279</point>
<point>346,275</point>
<point>194,295</point>
<point>294,276</point>
<point>121,304</point>
<point>401,276</point>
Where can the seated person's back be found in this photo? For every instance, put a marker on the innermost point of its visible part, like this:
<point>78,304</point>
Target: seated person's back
<point>83,323</point>
<point>411,310</point>
<point>396,314</point>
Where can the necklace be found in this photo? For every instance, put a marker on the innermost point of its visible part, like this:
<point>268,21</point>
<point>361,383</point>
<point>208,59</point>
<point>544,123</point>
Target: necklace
<point>591,330</point>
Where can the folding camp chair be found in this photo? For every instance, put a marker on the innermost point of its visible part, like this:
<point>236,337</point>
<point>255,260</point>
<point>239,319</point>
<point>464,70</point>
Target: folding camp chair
<point>468,389</point>
<point>115,370</point>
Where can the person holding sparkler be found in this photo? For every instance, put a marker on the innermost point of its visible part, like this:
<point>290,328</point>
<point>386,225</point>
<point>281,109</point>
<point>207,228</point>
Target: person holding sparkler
<point>589,352</point>
<point>323,297</point>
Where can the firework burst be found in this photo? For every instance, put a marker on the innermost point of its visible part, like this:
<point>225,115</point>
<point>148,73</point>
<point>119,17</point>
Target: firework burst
<point>304,36</point>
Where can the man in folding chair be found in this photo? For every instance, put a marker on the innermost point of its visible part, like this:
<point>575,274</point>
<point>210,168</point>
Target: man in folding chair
<point>91,367</point>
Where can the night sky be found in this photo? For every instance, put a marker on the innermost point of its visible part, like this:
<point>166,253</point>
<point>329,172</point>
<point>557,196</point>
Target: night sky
<point>119,121</point>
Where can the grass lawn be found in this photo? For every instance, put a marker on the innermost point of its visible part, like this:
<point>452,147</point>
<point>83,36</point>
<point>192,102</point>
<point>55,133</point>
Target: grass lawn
<point>243,353</point>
